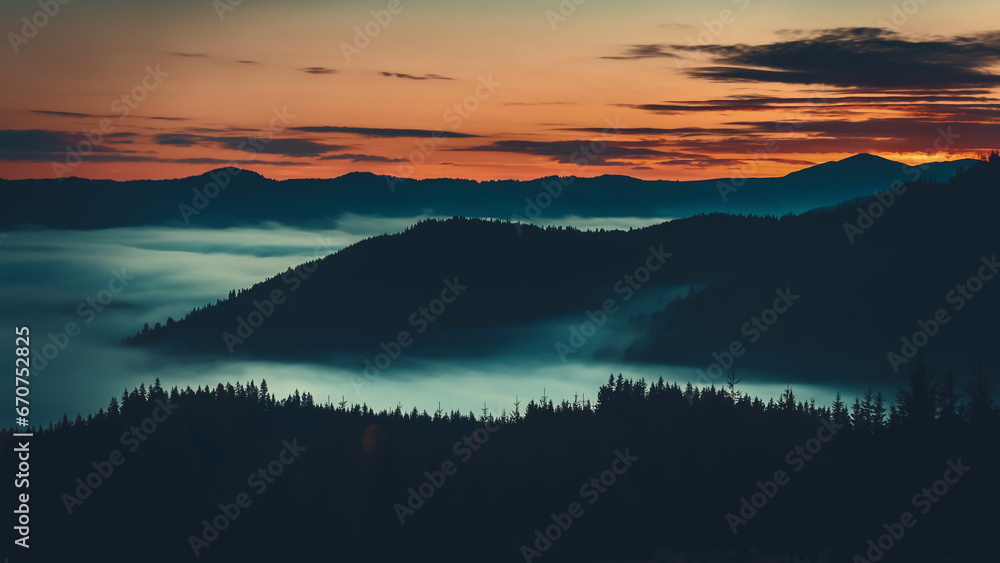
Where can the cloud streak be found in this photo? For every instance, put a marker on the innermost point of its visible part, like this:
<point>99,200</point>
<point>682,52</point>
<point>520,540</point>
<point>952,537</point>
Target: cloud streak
<point>856,57</point>
<point>415,77</point>
<point>383,132</point>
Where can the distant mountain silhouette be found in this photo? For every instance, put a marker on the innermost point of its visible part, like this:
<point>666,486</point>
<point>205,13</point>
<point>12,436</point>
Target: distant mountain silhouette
<point>859,165</point>
<point>249,198</point>
<point>858,299</point>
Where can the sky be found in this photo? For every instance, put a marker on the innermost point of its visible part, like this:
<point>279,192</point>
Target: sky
<point>491,90</point>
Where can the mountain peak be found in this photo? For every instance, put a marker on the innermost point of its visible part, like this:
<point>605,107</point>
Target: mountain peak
<point>864,158</point>
<point>234,171</point>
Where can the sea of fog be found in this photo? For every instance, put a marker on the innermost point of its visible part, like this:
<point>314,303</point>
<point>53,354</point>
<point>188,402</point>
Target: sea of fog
<point>51,278</point>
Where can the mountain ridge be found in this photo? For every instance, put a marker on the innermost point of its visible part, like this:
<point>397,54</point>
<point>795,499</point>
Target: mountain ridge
<point>351,302</point>
<point>224,197</point>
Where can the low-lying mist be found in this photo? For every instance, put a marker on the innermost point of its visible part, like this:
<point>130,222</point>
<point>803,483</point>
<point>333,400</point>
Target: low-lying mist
<point>81,292</point>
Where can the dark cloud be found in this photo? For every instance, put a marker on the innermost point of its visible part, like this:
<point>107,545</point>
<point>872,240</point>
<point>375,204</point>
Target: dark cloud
<point>121,137</point>
<point>220,162</point>
<point>97,116</point>
<point>816,103</point>
<point>318,70</point>
<point>33,141</point>
<point>710,162</point>
<point>951,108</point>
<point>415,77</point>
<point>583,153</point>
<point>248,62</point>
<point>646,52</point>
<point>388,133</point>
<point>41,145</point>
<point>829,136</point>
<point>181,139</point>
<point>540,104</point>
<point>361,158</point>
<point>189,55</point>
<point>283,146</point>
<point>122,157</point>
<point>862,57</point>
<point>63,113</point>
<point>639,131</point>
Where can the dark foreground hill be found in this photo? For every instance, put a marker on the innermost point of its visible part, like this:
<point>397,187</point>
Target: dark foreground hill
<point>860,281</point>
<point>231,474</point>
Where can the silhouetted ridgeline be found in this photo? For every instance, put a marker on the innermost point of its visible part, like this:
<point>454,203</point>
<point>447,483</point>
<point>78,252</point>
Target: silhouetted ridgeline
<point>334,481</point>
<point>229,197</point>
<point>864,284</point>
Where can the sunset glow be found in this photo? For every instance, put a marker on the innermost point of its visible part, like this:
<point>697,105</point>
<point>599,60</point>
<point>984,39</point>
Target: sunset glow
<point>492,91</point>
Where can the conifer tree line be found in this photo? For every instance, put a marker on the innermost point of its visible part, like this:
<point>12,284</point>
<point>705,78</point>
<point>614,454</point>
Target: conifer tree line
<point>699,450</point>
<point>921,402</point>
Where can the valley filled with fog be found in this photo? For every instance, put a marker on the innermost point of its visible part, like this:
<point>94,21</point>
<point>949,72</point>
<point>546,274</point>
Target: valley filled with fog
<point>110,282</point>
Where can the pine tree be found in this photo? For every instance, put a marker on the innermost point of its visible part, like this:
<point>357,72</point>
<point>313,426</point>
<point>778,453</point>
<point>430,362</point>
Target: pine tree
<point>859,417</point>
<point>877,418</point>
<point>839,413</point>
<point>980,411</point>
<point>917,402</point>
<point>731,383</point>
<point>265,396</point>
<point>788,400</point>
<point>949,398</point>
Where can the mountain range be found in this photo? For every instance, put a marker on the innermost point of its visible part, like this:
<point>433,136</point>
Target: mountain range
<point>230,196</point>
<point>867,277</point>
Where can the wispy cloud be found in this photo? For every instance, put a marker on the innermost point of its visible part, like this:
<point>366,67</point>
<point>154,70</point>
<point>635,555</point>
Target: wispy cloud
<point>319,70</point>
<point>581,153</point>
<point>414,76</point>
<point>361,158</point>
<point>383,132</point>
<point>283,146</point>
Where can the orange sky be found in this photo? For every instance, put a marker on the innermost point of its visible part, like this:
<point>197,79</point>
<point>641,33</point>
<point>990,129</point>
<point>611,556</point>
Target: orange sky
<point>520,90</point>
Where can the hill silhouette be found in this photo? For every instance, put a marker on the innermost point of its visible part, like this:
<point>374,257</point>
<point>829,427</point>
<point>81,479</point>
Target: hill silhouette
<point>674,472</point>
<point>862,289</point>
<point>232,197</point>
